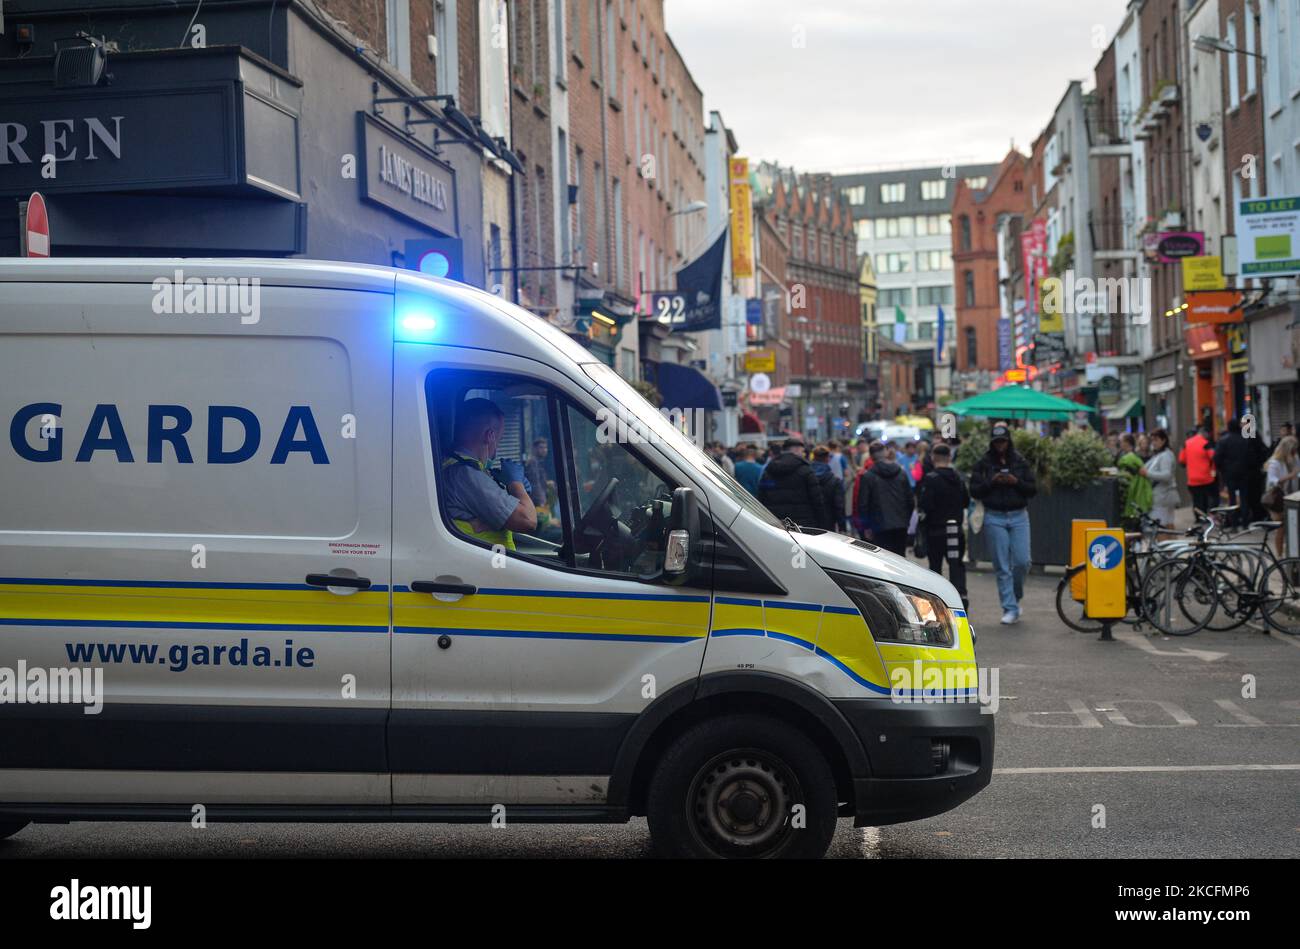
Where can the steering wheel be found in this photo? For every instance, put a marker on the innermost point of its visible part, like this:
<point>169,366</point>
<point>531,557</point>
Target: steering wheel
<point>603,497</point>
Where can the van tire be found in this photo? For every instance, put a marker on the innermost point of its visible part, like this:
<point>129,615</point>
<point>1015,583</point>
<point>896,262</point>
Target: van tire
<point>8,827</point>
<point>728,788</point>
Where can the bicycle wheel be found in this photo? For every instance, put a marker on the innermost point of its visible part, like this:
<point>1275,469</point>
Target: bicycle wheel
<point>1280,596</point>
<point>1238,599</point>
<point>1179,597</point>
<point>1071,610</point>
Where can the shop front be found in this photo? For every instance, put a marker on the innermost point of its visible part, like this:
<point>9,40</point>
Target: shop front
<point>1274,345</point>
<point>296,146</point>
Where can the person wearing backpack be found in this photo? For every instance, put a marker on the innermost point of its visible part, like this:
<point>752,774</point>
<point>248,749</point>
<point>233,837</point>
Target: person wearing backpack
<point>885,502</point>
<point>942,499</point>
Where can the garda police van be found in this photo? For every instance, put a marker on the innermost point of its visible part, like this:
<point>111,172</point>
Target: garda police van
<point>346,543</point>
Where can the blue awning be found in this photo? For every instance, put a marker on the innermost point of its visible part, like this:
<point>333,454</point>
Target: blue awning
<point>685,387</point>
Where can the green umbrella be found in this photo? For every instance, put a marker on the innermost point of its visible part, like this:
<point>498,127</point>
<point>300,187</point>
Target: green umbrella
<point>1016,401</point>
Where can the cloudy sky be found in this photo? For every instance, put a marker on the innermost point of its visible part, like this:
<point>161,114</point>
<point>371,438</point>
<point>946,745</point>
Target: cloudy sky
<point>884,82</point>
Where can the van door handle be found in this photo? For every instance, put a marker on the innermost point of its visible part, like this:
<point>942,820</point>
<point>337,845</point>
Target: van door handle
<point>430,586</point>
<point>329,580</point>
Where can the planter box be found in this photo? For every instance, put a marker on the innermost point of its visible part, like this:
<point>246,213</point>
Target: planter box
<point>1050,514</point>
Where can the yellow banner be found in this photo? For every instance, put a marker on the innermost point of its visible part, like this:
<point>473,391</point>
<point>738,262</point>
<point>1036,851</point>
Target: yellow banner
<point>742,220</point>
<point>760,361</point>
<point>1051,317</point>
<point>1203,273</point>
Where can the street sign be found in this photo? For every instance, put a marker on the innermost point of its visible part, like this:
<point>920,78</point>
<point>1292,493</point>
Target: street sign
<point>760,382</point>
<point>668,307</point>
<point>38,227</point>
<point>760,360</point>
<point>1214,306</point>
<point>1269,237</point>
<point>1104,597</point>
<point>1203,273</point>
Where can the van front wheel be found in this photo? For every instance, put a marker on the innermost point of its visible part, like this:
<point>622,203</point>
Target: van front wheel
<point>743,786</point>
<point>10,827</point>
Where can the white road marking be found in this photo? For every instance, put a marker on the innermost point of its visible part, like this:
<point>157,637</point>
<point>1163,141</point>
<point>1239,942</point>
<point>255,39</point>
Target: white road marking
<point>871,843</point>
<point>1127,769</point>
<point>1141,642</point>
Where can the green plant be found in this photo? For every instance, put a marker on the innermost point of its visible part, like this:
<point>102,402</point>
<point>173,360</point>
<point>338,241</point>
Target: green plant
<point>1078,458</point>
<point>1063,260</point>
<point>1039,451</point>
<point>974,443</point>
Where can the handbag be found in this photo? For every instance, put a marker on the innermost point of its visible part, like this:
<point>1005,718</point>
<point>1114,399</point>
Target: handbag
<point>1272,499</point>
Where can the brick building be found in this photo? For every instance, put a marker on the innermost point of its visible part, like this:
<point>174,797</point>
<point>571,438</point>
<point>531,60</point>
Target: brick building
<point>977,213</point>
<point>825,323</point>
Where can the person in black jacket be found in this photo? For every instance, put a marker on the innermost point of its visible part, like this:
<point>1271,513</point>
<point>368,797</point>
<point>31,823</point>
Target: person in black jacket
<point>832,487</point>
<point>1003,480</point>
<point>789,488</point>
<point>1234,456</point>
<point>885,501</point>
<point>942,499</point>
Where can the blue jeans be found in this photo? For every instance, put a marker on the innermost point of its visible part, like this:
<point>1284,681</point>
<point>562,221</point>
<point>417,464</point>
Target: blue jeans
<point>1008,540</point>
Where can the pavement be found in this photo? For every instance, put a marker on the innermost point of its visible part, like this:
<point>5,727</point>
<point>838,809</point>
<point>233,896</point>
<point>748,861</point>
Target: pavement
<point>1143,747</point>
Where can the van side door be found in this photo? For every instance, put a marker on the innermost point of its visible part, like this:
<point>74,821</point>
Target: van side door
<point>520,663</point>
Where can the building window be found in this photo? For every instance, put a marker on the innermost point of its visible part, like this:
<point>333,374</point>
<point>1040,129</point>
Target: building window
<point>619,264</point>
<point>446,71</point>
<point>934,260</point>
<point>561,41</point>
<point>977,184</point>
<point>935,190</point>
<point>893,193</point>
<point>611,51</point>
<point>562,182</point>
<point>1234,89</point>
<point>968,281</point>
<point>856,194</point>
<point>934,296</point>
<point>965,232</point>
<point>972,351</point>
<point>580,226</point>
<point>398,21</point>
<point>893,263</point>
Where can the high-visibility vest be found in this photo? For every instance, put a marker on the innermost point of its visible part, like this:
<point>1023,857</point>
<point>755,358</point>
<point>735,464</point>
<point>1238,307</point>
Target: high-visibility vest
<point>503,537</point>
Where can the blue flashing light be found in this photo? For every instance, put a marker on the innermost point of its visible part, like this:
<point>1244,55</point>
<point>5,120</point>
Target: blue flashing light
<point>416,328</point>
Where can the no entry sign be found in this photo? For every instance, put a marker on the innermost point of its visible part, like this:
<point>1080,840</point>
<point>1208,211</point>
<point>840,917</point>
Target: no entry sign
<point>38,227</point>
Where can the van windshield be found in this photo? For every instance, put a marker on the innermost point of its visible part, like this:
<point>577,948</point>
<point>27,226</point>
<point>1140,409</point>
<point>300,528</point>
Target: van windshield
<point>659,426</point>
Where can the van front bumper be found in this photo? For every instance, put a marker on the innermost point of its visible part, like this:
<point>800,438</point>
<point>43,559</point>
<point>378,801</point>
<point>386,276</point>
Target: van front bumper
<point>925,758</point>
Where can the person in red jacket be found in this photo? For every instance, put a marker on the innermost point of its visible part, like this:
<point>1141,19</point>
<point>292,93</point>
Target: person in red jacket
<point>1197,456</point>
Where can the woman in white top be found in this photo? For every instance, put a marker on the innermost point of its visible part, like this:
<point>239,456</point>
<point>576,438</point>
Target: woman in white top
<point>1280,471</point>
<point>1159,469</point>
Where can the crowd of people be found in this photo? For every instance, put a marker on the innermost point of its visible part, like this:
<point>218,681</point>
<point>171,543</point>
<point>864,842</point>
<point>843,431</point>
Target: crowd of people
<point>909,495</point>
<point>1238,469</point>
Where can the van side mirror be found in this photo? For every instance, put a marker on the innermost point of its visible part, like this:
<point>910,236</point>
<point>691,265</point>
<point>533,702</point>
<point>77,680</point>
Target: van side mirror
<point>682,543</point>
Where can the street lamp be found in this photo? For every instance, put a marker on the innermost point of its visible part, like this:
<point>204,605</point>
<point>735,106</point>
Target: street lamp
<point>691,208</point>
<point>1212,44</point>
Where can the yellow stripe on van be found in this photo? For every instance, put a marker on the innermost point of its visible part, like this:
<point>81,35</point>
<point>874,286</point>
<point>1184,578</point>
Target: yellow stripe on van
<point>845,639</point>
<point>543,613</point>
<point>182,606</point>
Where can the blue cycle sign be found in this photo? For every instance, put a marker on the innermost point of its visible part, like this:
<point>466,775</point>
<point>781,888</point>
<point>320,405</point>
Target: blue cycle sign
<point>1106,553</point>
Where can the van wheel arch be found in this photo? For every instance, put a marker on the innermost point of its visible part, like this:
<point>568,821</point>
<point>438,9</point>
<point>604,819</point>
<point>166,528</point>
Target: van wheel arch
<point>762,693</point>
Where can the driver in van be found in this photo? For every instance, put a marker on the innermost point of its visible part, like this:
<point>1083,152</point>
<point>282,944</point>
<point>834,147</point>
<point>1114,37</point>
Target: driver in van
<point>480,505</point>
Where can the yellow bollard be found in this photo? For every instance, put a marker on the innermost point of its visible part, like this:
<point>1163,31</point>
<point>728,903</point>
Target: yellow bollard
<point>1105,598</point>
<point>1078,529</point>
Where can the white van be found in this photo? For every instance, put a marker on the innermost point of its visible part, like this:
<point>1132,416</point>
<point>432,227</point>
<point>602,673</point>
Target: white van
<point>260,499</point>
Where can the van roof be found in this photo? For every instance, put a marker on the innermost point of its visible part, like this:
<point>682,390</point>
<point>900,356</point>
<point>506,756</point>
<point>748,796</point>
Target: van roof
<point>295,272</point>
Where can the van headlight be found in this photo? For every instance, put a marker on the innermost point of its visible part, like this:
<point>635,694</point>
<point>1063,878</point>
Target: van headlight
<point>898,614</point>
